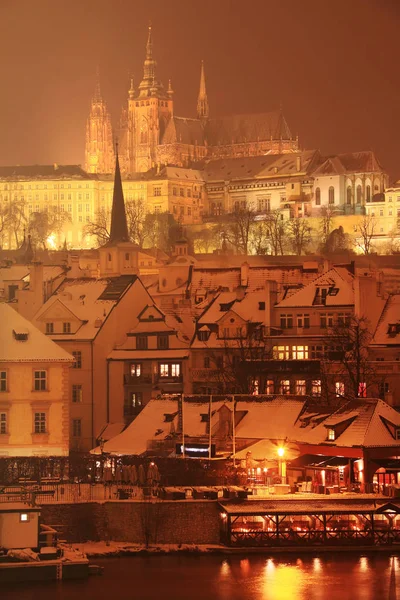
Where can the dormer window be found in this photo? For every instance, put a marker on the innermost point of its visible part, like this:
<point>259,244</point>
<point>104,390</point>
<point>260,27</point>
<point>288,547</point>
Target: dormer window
<point>203,335</point>
<point>49,328</point>
<point>21,334</point>
<point>331,435</point>
<point>66,327</point>
<point>393,328</point>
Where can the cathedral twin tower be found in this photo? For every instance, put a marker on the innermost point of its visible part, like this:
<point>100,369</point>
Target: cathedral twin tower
<point>150,134</point>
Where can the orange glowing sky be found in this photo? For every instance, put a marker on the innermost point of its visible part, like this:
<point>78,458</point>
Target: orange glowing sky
<point>334,66</point>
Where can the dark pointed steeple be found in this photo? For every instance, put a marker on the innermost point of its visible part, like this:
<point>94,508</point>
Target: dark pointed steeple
<point>119,227</point>
<point>202,101</point>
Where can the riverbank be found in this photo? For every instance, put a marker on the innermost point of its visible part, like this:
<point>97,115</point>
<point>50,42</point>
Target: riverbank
<point>113,549</point>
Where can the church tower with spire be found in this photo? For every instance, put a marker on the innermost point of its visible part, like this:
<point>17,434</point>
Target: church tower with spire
<point>203,112</point>
<point>149,109</point>
<point>119,256</point>
<point>99,152</point>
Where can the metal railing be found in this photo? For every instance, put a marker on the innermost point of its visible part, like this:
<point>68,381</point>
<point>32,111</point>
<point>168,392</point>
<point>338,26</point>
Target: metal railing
<point>68,492</point>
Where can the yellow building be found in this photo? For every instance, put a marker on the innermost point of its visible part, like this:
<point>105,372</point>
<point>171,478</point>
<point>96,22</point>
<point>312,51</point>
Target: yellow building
<point>34,383</point>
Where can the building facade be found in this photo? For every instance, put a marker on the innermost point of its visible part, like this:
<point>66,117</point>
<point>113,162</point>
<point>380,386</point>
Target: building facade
<point>34,382</point>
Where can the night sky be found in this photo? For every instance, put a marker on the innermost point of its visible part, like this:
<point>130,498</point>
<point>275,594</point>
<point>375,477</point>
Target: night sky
<point>334,65</point>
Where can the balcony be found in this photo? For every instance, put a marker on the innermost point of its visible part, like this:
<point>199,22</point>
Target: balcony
<point>315,330</point>
<point>162,380</point>
<point>134,380</point>
<point>206,374</point>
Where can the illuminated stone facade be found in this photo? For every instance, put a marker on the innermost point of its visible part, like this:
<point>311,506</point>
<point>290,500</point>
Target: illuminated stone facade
<point>99,150</point>
<point>151,134</point>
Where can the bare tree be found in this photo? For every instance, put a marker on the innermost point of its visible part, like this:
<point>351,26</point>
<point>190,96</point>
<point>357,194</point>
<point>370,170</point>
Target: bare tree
<point>233,357</point>
<point>259,242</point>
<point>14,220</point>
<point>366,230</point>
<point>100,227</point>
<point>347,359</point>
<point>325,225</point>
<point>136,221</point>
<point>299,235</point>
<point>238,229</point>
<point>276,229</point>
<point>43,224</point>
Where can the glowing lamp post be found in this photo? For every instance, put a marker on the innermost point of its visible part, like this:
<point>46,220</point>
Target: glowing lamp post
<point>282,463</point>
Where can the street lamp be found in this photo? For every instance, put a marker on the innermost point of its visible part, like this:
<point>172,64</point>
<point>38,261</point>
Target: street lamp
<point>282,464</point>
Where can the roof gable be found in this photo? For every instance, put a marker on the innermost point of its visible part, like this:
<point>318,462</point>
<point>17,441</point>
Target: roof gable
<point>339,286</point>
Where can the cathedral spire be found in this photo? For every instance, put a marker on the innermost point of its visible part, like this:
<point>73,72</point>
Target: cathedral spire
<point>97,91</point>
<point>149,45</point>
<point>119,227</point>
<point>202,101</point>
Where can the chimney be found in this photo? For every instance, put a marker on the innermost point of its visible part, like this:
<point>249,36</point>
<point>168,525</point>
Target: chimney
<point>244,274</point>
<point>74,267</point>
<point>298,163</point>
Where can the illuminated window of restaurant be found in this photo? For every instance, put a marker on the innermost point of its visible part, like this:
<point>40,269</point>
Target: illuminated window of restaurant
<point>269,386</point>
<point>301,387</point>
<point>285,386</point>
<point>331,435</point>
<point>339,389</point>
<point>281,352</point>
<point>300,352</point>
<point>362,390</point>
<point>136,369</point>
<point>316,387</point>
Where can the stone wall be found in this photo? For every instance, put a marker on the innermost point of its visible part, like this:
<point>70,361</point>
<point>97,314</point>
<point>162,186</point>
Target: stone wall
<point>158,522</point>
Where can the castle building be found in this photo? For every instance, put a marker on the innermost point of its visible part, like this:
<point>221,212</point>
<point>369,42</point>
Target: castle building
<point>150,133</point>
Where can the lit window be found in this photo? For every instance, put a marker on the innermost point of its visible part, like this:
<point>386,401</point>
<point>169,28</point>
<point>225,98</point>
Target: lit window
<point>300,352</point>
<point>164,370</point>
<point>23,517</point>
<point>175,370</point>
<point>40,381</point>
<point>76,393</point>
<point>40,422</point>
<point>316,387</point>
<point>269,387</point>
<point>339,389</point>
<point>285,386</point>
<point>301,387</point>
<point>281,352</point>
<point>3,381</point>
<point>331,435</point>
<point>362,390</point>
<point>136,369</point>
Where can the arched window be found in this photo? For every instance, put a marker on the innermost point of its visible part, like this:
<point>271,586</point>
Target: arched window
<point>348,195</point>
<point>358,194</point>
<point>368,194</point>
<point>317,196</point>
<point>331,195</point>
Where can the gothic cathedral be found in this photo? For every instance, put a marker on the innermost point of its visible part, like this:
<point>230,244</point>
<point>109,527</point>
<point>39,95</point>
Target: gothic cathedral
<point>150,134</point>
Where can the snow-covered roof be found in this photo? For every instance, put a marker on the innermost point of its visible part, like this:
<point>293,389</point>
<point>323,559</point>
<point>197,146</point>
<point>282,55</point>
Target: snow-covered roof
<point>82,298</point>
<point>32,345</point>
<point>388,329</point>
<point>337,278</point>
<point>366,422</point>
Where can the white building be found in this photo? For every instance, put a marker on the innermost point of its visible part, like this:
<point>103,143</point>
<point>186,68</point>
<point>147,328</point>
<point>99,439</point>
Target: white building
<point>34,382</point>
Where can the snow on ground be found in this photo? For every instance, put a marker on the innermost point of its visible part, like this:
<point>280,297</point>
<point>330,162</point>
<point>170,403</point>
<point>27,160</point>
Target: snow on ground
<point>104,549</point>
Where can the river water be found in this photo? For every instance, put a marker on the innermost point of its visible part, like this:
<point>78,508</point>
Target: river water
<point>214,577</point>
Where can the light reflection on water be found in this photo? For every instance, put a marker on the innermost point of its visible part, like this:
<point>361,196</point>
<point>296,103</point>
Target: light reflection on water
<point>251,577</point>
